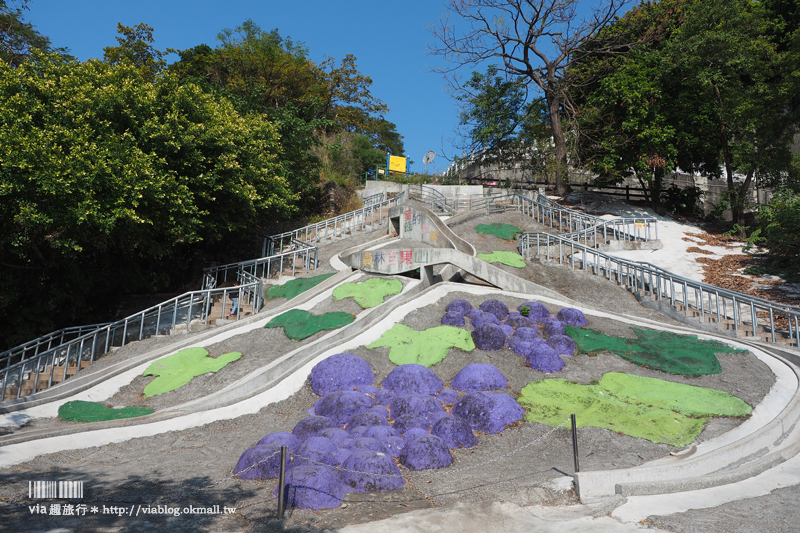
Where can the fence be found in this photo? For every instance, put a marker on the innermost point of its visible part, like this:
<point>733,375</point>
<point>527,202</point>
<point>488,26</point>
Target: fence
<point>333,228</point>
<point>752,316</point>
<point>57,363</point>
<point>579,226</point>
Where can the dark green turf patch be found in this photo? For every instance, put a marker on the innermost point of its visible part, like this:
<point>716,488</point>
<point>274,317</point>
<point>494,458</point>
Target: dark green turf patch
<point>292,288</point>
<point>660,350</point>
<point>80,411</point>
<point>299,324</point>
<point>503,231</point>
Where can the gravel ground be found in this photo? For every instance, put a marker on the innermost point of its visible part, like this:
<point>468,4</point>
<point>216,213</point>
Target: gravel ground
<point>171,469</point>
<point>192,467</point>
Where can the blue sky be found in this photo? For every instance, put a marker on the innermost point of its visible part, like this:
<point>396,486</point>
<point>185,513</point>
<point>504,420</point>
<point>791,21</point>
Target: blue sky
<point>390,40</point>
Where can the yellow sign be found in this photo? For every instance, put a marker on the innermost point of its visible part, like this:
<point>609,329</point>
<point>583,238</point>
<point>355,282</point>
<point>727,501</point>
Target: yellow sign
<point>397,164</point>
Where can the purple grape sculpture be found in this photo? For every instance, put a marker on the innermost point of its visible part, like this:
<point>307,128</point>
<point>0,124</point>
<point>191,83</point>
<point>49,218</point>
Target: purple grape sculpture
<point>337,435</point>
<point>479,377</point>
<point>489,412</point>
<point>316,449</point>
<point>260,462</point>
<point>379,464</point>
<point>281,438</point>
<point>415,404</point>
<point>563,345</point>
<point>538,312</point>
<point>425,452</point>
<point>453,319</point>
<point>460,306</point>
<point>343,371</point>
<point>472,314</point>
<point>313,487</point>
<point>455,432</point>
<point>381,433</point>
<point>412,379</point>
<point>311,426</point>
<point>365,419</point>
<point>516,320</point>
<point>384,397</point>
<point>339,406</point>
<point>526,348</point>
<point>368,444</point>
<point>572,317</point>
<point>407,422</point>
<point>484,318</point>
<point>554,327</point>
<point>447,396</point>
<point>495,307</point>
<point>507,330</point>
<point>544,359</point>
<point>413,433</point>
<point>434,418</point>
<point>489,337</point>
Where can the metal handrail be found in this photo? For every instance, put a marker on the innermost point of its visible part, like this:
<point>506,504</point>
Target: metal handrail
<point>575,222</point>
<point>333,227</point>
<point>373,199</point>
<point>87,347</point>
<point>432,197</point>
<point>46,341</point>
<point>706,299</point>
<point>263,267</point>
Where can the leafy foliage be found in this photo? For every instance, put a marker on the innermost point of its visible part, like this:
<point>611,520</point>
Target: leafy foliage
<point>369,293</point>
<point>107,179</point>
<point>780,220</point>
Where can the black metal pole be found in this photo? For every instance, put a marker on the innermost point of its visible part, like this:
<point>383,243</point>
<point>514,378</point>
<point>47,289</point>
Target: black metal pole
<point>575,443</point>
<point>282,482</point>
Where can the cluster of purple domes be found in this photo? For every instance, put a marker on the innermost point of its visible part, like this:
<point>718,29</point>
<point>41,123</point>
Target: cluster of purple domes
<point>356,431</point>
<point>538,337</point>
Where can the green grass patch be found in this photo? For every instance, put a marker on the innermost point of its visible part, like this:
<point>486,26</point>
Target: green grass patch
<point>177,370</point>
<point>298,324</point>
<point>80,411</point>
<point>370,293</point>
<point>292,288</point>
<point>423,347</point>
<point>660,350</point>
<point>647,408</point>
<point>503,231</point>
<point>507,258</point>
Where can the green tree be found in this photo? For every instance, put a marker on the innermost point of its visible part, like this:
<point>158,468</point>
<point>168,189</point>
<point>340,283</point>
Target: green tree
<point>492,110</point>
<point>536,40</point>
<point>18,38</point>
<point>740,90</point>
<point>108,183</point>
<point>136,47</point>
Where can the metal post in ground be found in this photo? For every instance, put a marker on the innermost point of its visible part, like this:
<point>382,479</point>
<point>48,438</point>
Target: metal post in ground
<point>281,482</point>
<point>575,443</point>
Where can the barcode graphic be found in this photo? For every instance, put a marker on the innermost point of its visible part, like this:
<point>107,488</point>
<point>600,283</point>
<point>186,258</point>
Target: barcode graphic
<point>55,489</point>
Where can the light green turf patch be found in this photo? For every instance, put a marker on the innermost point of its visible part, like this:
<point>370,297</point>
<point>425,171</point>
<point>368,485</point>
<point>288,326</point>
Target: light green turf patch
<point>369,293</point>
<point>507,258</point>
<point>179,369</point>
<point>660,350</point>
<point>292,288</point>
<point>423,347</point>
<point>80,411</point>
<point>299,324</point>
<point>503,231</point>
<point>633,405</point>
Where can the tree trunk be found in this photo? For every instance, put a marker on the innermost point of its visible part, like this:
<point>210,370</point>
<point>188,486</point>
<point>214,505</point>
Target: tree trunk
<point>562,174</point>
